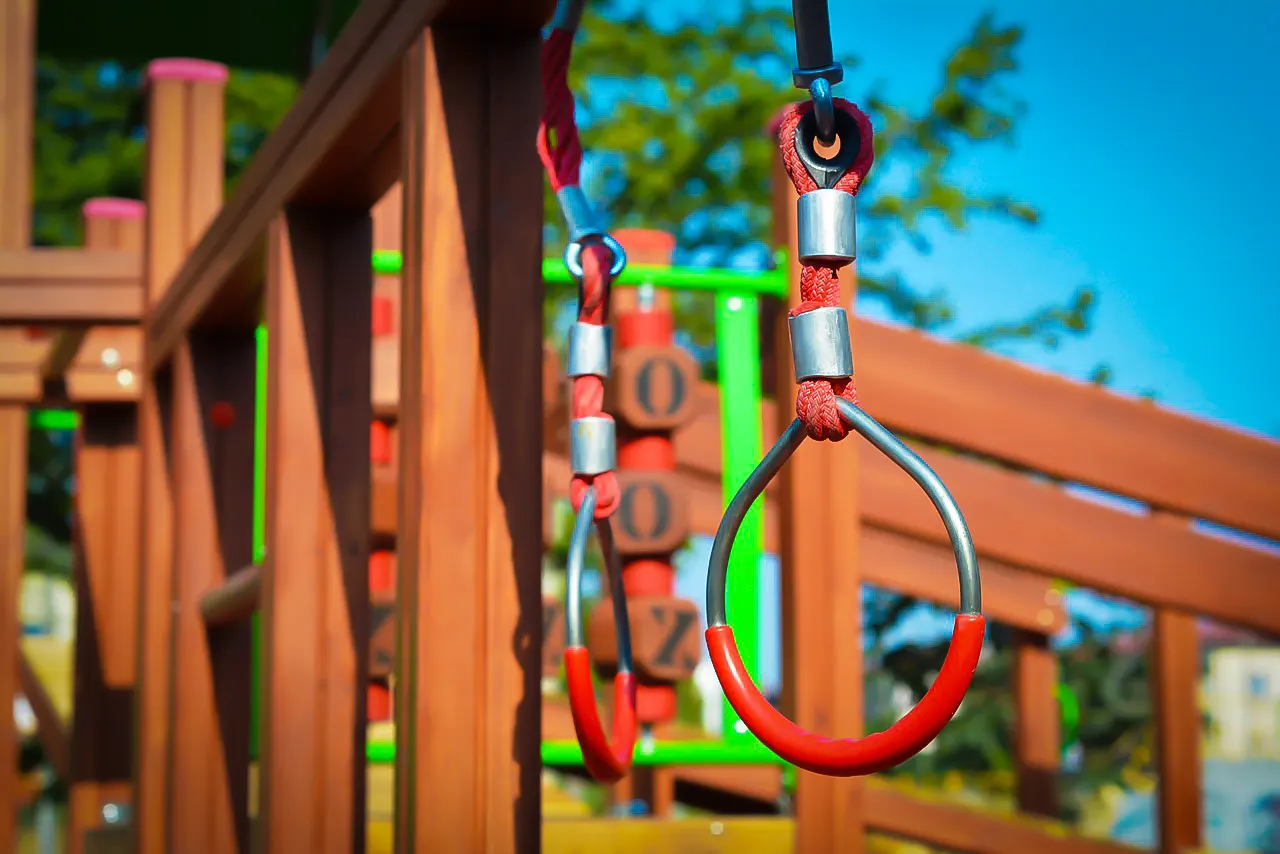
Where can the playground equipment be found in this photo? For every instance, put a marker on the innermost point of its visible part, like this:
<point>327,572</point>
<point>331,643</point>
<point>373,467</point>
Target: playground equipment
<point>467,478</point>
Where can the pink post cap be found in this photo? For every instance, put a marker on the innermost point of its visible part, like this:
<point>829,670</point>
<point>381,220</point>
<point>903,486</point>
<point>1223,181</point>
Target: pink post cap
<point>187,69</point>
<point>109,208</point>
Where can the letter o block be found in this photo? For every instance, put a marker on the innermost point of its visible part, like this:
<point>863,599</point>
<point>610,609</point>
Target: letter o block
<point>655,386</point>
<point>382,627</point>
<point>666,638</point>
<point>553,636</point>
<point>653,515</point>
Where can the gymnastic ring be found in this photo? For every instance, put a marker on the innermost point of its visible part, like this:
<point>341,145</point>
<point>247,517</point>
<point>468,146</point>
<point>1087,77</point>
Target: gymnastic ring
<point>607,760</point>
<point>879,751</point>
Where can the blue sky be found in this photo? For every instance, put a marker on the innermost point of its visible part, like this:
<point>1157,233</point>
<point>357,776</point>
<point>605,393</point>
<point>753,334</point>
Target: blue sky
<point>1144,146</point>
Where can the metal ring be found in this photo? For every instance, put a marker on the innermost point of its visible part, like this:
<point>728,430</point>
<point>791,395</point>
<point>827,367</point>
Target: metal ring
<point>573,257</point>
<point>574,564</point>
<point>893,448</point>
<point>608,759</point>
<point>915,730</point>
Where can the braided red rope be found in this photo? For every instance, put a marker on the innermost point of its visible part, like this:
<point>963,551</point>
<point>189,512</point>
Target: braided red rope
<point>820,283</point>
<point>560,148</point>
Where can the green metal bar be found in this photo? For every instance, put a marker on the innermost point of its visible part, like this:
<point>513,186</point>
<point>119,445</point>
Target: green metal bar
<point>387,262</point>
<point>659,753</point>
<point>738,362</point>
<point>54,419</point>
<point>259,530</point>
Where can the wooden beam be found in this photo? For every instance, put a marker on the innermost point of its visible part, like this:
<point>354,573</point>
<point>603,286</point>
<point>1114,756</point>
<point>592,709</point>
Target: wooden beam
<point>66,344</point>
<point>109,224</point>
<point>821,584</point>
<point>69,286</point>
<point>1035,525</point>
<point>184,178</point>
<point>1175,698</point>
<point>953,827</point>
<point>51,729</point>
<point>470,548</point>
<point>107,534</point>
<point>212,481</point>
<point>328,116</point>
<point>18,94</point>
<point>1073,430</point>
<point>20,386</point>
<point>13,527</point>
<point>315,589</point>
<point>1037,742</point>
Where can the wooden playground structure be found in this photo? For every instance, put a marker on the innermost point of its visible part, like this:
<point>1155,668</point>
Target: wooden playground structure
<point>158,330</point>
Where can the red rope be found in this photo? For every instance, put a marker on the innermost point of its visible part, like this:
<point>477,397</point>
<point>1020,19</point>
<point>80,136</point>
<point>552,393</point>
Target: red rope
<point>819,283</point>
<point>560,148</point>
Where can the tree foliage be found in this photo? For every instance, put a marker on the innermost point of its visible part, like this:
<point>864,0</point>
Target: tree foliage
<point>674,118</point>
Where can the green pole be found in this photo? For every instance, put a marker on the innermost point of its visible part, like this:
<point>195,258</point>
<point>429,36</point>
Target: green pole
<point>259,529</point>
<point>738,364</point>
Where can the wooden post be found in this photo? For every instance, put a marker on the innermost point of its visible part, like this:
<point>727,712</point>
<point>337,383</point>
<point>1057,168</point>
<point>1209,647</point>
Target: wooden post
<point>468,713</point>
<point>1037,741</point>
<point>315,588</point>
<point>212,481</point>
<point>1175,682</point>
<point>17,108</point>
<point>17,113</point>
<point>13,526</point>
<point>184,184</point>
<point>107,532</point>
<point>821,586</point>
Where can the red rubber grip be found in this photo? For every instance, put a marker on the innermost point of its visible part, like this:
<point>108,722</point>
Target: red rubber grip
<point>851,757</point>
<point>607,763</point>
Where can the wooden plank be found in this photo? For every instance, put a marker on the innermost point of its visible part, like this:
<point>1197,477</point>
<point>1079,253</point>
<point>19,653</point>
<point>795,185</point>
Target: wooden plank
<point>212,477</point>
<point>326,117</point>
<point>952,827</point>
<point>106,540</point>
<point>211,473</point>
<point>20,386</point>
<point>69,286</point>
<point>315,594</point>
<point>821,585</point>
<point>1072,430</point>
<point>120,385</point>
<point>13,522</point>
<point>1175,697</point>
<point>1176,670</point>
<point>1037,743</point>
<point>1036,526</point>
<point>51,729</point>
<point>183,179</point>
<point>470,549</point>
<point>66,344</point>
<point>22,349</point>
<point>17,93</point>
<point>117,224</point>
<point>754,835</point>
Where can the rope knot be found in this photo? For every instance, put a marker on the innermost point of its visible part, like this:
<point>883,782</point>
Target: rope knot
<point>819,282</point>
